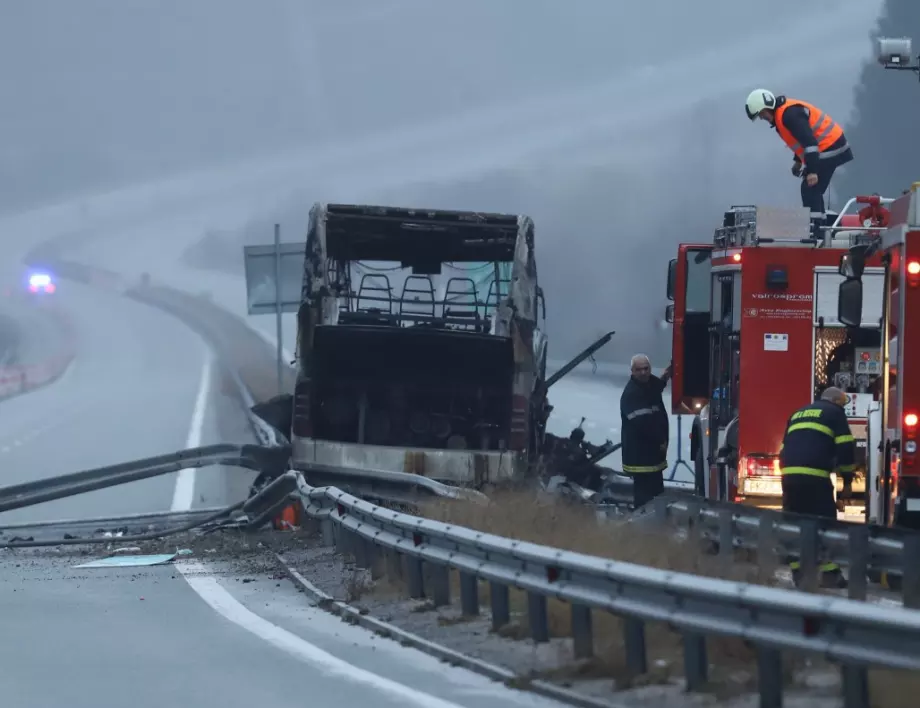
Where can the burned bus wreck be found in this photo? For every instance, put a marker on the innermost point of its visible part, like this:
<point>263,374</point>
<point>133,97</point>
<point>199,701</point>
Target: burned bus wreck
<point>420,347</point>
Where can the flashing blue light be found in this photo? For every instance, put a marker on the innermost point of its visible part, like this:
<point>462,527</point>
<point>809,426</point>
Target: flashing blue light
<point>40,280</point>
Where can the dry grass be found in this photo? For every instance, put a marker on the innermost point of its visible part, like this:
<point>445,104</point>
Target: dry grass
<point>531,517</point>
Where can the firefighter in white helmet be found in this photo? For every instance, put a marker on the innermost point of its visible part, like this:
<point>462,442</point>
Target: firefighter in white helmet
<point>816,140</point>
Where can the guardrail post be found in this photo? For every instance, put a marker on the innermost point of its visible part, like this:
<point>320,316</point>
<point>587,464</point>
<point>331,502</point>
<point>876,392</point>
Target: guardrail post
<point>439,575</point>
<point>910,569</point>
<point>770,677</point>
<point>858,537</point>
<point>696,664</point>
<point>361,551</point>
<point>537,617</point>
<point>766,542</point>
<point>855,686</point>
<point>393,565</point>
<point>469,594</point>
<point>634,642</point>
<point>341,540</point>
<point>376,559</point>
<point>327,529</point>
<point>808,553</point>
<point>582,632</point>
<point>499,600</point>
<point>414,573</point>
<point>726,535</point>
<point>694,526</point>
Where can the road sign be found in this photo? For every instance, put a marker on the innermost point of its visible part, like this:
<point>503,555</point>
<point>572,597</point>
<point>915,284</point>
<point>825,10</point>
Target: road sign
<point>267,265</point>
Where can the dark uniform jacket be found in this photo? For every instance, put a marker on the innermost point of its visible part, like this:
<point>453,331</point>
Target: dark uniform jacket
<point>644,426</point>
<point>818,441</point>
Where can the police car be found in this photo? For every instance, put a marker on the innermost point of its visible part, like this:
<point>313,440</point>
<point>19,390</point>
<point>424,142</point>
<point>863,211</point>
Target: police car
<point>41,284</point>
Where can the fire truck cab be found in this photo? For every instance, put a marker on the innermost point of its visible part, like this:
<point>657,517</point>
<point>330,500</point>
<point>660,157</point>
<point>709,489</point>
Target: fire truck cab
<point>897,498</point>
<point>759,305</point>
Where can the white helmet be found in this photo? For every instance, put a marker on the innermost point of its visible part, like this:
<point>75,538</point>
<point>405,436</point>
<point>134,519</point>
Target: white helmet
<point>757,100</point>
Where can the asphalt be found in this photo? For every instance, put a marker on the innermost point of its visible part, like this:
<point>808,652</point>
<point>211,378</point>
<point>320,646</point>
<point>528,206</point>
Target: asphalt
<point>130,393</point>
<point>221,629</point>
<point>154,637</point>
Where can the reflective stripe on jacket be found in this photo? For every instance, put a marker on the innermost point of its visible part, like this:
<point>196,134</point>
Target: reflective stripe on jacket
<point>826,130</point>
<point>818,440</point>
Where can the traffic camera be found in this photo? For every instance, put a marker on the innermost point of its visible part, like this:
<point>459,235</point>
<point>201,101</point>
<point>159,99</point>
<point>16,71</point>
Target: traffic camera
<point>896,53</point>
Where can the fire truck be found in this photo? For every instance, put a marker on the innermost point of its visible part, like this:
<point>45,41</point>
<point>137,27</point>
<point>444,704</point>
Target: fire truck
<point>898,249</point>
<point>756,335</point>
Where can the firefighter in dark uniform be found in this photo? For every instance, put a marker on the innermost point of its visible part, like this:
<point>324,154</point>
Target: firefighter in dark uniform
<point>645,430</point>
<point>817,442</point>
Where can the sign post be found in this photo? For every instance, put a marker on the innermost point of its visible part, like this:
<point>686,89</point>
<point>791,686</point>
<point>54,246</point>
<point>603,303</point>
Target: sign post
<point>274,275</point>
<point>278,307</point>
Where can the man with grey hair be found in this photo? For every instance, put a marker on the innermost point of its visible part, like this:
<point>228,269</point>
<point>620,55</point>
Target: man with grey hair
<point>818,441</point>
<point>644,429</point>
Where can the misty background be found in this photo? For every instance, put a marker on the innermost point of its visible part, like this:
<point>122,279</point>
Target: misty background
<point>619,128</point>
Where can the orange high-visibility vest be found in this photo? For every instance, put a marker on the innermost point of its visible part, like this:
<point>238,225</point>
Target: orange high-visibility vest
<point>827,131</point>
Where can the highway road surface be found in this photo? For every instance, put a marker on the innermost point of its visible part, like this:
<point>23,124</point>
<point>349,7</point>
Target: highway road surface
<point>219,628</point>
<point>212,630</point>
<point>141,384</point>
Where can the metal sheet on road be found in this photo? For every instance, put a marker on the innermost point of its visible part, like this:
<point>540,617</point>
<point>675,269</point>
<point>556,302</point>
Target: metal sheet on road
<point>150,638</point>
<point>130,393</point>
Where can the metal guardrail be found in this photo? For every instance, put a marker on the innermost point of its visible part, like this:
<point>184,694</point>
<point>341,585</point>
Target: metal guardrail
<point>884,554</point>
<point>421,551</point>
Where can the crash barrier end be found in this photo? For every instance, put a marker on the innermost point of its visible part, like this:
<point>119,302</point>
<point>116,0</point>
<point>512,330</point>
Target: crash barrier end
<point>17,379</point>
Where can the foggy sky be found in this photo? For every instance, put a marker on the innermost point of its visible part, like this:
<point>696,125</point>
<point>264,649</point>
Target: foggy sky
<point>114,91</point>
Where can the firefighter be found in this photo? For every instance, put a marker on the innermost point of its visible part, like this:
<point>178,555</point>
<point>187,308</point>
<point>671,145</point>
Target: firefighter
<point>645,429</point>
<point>815,139</point>
<point>817,442</point>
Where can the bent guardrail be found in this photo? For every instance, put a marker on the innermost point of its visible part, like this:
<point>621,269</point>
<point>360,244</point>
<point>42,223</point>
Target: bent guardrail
<point>855,634</point>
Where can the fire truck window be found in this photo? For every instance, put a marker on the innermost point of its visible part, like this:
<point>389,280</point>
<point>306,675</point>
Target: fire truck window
<point>736,303</point>
<point>698,281</point>
<point>726,300</point>
<point>716,311</point>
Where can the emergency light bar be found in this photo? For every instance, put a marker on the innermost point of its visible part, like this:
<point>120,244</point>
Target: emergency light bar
<point>39,280</point>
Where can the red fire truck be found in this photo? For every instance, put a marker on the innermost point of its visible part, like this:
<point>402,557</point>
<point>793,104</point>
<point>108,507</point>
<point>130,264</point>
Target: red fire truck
<point>756,335</point>
<point>898,248</point>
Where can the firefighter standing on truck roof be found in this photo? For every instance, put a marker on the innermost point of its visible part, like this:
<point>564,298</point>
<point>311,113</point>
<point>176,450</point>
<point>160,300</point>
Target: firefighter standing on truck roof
<point>818,440</point>
<point>645,429</point>
<point>815,138</point>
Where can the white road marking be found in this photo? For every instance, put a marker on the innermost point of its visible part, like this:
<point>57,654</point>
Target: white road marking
<point>222,602</point>
<point>184,491</point>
